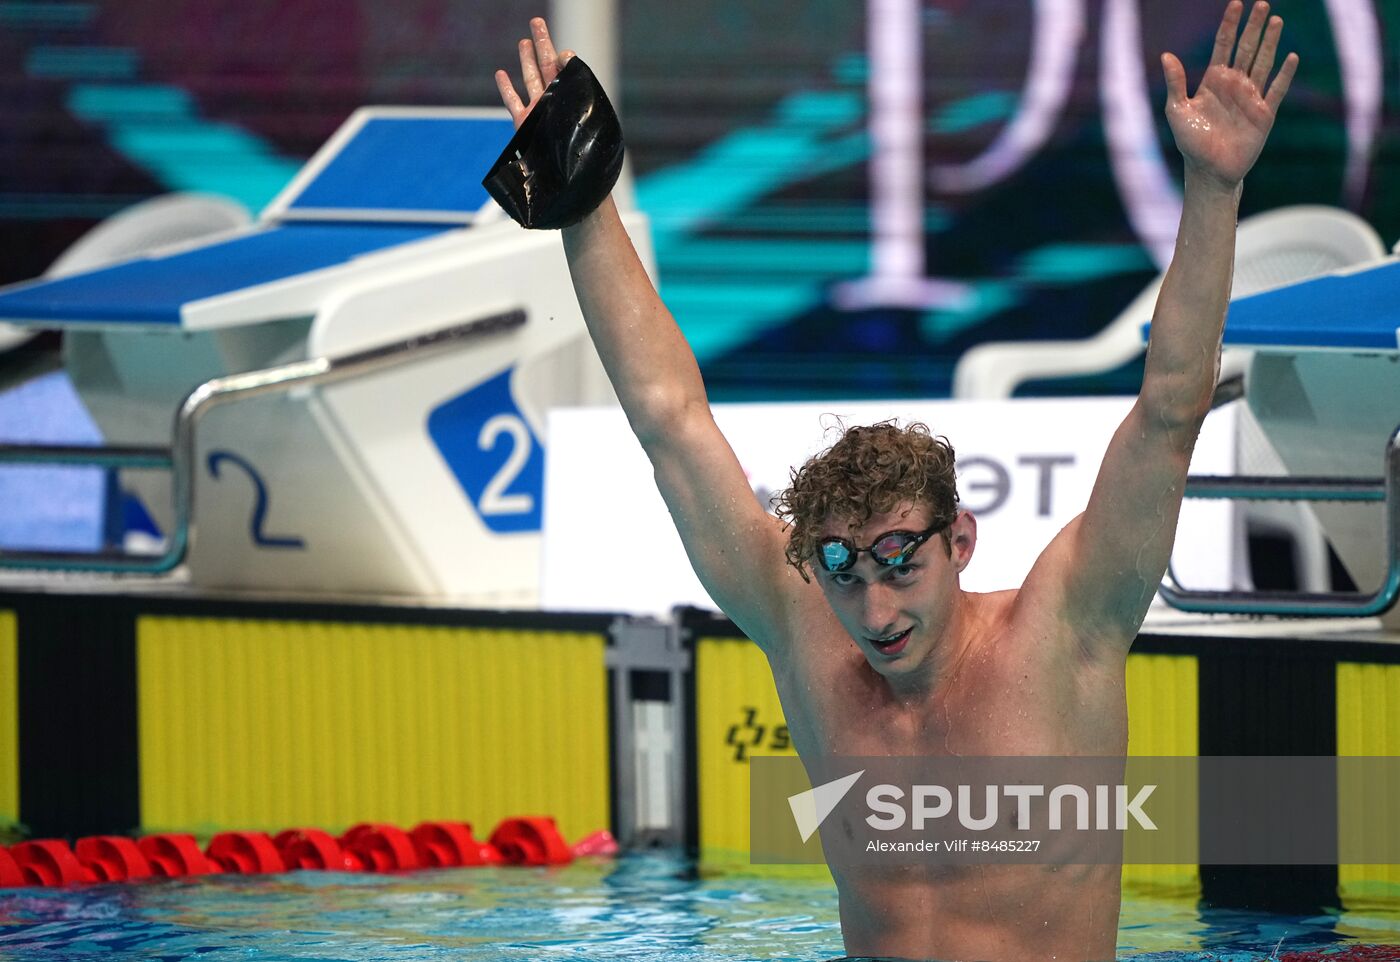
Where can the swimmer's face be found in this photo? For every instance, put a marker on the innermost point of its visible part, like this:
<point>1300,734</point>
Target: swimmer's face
<point>897,613</point>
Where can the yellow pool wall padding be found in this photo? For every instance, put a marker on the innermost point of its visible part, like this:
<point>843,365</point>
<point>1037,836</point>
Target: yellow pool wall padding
<point>9,719</point>
<point>1164,720</point>
<point>266,725</point>
<point>1368,723</point>
<point>732,676</point>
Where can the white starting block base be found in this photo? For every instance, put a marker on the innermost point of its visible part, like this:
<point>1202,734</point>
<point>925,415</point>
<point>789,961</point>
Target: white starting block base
<point>1329,414</point>
<point>425,478</point>
<point>1324,385</point>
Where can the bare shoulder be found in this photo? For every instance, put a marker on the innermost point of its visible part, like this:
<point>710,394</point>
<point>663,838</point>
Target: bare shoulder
<point>815,656</point>
<point>1079,690</point>
<point>996,609</point>
<point>789,609</point>
<point>1023,628</point>
<point>1042,595</point>
<point>995,626</point>
<point>1044,609</point>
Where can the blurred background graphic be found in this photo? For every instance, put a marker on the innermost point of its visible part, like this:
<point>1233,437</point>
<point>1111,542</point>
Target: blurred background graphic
<point>1045,179</point>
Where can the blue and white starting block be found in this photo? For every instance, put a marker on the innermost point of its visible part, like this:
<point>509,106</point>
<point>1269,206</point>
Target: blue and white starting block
<point>422,475</point>
<point>1324,384</point>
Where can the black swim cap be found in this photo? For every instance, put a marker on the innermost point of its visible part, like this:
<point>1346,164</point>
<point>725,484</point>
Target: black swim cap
<point>566,156</point>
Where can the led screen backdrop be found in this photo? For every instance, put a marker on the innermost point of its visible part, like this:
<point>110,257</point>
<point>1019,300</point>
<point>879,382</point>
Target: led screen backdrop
<point>1024,182</point>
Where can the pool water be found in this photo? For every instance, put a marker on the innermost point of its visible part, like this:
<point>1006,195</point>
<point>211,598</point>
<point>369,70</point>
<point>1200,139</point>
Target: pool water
<point>644,906</point>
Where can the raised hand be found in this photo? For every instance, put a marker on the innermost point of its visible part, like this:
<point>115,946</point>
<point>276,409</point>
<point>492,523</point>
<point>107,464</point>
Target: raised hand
<point>539,64</point>
<point>1221,130</point>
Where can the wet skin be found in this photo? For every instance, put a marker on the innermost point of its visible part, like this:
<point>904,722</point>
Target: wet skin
<point>1033,671</point>
<point>979,674</point>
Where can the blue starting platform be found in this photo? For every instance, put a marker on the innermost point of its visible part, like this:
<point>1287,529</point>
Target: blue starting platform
<point>417,469</point>
<point>1355,310</point>
<point>389,180</point>
<point>1321,383</point>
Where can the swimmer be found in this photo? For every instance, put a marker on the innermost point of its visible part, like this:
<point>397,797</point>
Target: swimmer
<point>854,594</point>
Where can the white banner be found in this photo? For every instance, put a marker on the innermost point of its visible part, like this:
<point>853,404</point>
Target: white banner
<point>1025,468</point>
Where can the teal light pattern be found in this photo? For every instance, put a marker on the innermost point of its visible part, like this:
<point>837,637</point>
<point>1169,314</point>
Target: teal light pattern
<point>46,16</point>
<point>81,63</point>
<point>972,112</point>
<point>810,134</point>
<point>1075,263</point>
<point>986,299</point>
<point>157,128</point>
<point>724,290</point>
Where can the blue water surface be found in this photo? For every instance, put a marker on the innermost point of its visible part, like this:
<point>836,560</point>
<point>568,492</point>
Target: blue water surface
<point>644,906</point>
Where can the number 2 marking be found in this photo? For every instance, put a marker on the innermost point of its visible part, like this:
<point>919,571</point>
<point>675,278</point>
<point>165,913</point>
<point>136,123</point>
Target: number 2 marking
<point>255,526</point>
<point>494,500</point>
<point>494,455</point>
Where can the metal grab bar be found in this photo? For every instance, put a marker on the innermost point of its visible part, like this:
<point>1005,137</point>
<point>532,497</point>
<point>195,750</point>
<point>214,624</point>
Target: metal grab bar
<point>179,458</point>
<point>86,455</point>
<point>1272,488</point>
<point>1293,603</point>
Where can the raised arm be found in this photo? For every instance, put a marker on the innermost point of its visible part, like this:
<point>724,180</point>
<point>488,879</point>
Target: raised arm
<point>734,545</point>
<point>1109,561</point>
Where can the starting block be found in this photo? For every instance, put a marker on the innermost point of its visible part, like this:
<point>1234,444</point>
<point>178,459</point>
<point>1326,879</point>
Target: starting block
<point>1324,384</point>
<point>423,473</point>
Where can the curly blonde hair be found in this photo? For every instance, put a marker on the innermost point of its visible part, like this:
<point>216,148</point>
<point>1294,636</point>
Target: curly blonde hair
<point>870,469</point>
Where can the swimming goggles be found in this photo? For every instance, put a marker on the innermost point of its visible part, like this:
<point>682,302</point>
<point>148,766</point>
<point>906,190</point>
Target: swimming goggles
<point>890,549</point>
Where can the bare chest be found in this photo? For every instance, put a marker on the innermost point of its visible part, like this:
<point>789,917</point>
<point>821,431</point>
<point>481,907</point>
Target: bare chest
<point>1006,697</point>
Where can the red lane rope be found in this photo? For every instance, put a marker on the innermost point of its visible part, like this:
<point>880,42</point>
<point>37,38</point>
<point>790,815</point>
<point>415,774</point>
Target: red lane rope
<point>366,847</point>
